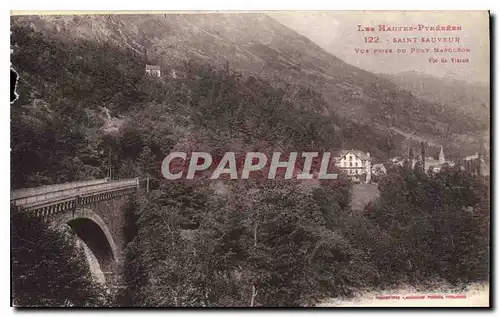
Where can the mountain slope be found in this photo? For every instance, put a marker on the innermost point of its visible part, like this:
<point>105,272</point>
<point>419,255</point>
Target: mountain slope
<point>84,103</point>
<point>256,44</point>
<point>470,99</point>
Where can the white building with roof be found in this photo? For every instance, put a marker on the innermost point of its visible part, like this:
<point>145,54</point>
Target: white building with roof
<point>153,70</point>
<point>355,164</point>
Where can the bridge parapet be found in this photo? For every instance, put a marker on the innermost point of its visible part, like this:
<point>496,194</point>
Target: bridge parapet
<point>40,190</point>
<point>54,193</point>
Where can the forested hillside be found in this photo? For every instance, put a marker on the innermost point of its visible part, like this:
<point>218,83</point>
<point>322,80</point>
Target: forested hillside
<point>256,45</point>
<point>469,99</point>
<point>61,132</point>
<point>466,99</point>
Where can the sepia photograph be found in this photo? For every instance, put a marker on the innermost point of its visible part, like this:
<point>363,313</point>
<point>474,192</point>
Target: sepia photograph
<point>250,159</point>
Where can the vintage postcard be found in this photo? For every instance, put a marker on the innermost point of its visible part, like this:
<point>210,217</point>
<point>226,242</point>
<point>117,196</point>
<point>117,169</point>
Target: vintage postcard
<point>250,159</point>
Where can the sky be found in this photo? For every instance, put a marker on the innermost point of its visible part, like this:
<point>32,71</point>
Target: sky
<point>337,32</point>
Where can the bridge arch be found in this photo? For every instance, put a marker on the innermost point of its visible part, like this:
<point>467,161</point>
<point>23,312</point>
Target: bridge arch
<point>93,231</point>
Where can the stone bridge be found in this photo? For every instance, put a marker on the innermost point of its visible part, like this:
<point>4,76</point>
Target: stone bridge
<point>93,209</point>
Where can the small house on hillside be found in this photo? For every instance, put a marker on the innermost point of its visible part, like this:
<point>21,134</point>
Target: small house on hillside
<point>379,169</point>
<point>472,157</point>
<point>398,160</point>
<point>474,164</point>
<point>153,70</point>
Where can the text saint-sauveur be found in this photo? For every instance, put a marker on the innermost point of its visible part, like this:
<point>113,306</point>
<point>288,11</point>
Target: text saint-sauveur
<point>404,40</point>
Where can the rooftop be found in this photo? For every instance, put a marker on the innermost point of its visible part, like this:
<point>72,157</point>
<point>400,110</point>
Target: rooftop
<point>358,153</point>
<point>153,67</point>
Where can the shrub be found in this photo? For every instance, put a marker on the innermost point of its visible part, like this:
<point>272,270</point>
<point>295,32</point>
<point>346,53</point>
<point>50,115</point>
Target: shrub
<point>47,268</point>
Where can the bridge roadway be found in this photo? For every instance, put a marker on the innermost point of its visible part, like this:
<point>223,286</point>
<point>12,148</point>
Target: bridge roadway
<point>51,199</point>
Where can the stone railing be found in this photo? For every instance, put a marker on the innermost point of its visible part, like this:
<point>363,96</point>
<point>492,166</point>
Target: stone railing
<point>43,194</point>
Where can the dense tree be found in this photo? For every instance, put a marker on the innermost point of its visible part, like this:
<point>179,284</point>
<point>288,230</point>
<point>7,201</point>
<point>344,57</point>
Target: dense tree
<point>271,246</point>
<point>47,268</point>
<point>437,223</point>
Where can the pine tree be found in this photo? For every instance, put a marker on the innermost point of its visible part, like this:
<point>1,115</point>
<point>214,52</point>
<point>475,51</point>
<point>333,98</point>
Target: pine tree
<point>146,163</point>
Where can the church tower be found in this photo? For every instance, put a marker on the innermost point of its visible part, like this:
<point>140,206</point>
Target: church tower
<point>441,156</point>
